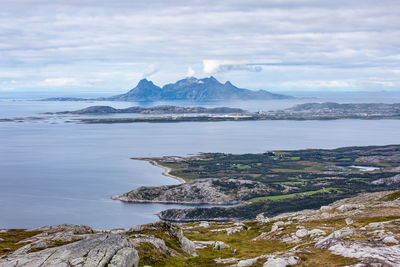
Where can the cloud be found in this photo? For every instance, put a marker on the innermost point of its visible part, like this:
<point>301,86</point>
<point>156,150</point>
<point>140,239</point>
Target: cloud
<point>150,70</point>
<point>374,81</point>
<point>56,82</point>
<point>216,66</point>
<point>317,84</point>
<point>290,40</point>
<point>190,72</point>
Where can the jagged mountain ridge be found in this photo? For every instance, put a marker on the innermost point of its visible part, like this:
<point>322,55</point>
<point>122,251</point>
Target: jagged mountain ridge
<point>193,89</point>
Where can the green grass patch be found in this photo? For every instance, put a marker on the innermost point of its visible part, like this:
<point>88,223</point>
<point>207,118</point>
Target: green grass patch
<point>391,197</point>
<point>241,166</point>
<point>307,193</point>
<point>11,239</point>
<point>291,183</point>
<point>280,153</point>
<point>323,258</point>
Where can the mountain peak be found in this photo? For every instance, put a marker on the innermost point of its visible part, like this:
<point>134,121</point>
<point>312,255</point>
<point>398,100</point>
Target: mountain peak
<point>210,79</point>
<point>144,82</point>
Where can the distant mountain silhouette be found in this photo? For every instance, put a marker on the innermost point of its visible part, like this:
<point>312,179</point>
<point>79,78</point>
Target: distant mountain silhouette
<point>193,89</point>
<point>189,89</point>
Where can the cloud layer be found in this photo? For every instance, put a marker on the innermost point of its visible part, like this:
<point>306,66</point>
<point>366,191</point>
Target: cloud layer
<point>276,43</point>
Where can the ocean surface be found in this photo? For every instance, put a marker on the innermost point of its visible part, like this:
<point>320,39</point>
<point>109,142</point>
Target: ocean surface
<point>54,172</point>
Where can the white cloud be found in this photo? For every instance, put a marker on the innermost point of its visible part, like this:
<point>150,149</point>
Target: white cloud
<point>383,82</point>
<point>317,84</point>
<point>216,66</point>
<point>57,82</point>
<point>300,37</point>
<point>190,72</point>
<point>150,70</point>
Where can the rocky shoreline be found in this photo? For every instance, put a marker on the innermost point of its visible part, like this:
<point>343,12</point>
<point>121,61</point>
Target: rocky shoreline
<point>198,192</point>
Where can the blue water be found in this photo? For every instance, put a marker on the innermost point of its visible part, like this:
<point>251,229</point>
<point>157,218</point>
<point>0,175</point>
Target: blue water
<point>66,172</point>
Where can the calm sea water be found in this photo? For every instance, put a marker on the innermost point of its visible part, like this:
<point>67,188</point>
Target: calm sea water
<point>66,173</point>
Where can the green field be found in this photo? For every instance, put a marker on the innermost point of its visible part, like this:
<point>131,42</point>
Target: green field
<point>308,193</point>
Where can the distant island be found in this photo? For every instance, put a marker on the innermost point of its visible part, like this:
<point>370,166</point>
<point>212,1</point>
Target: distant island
<point>188,89</point>
<point>174,114</point>
<point>308,111</point>
<point>332,109</point>
<point>162,109</point>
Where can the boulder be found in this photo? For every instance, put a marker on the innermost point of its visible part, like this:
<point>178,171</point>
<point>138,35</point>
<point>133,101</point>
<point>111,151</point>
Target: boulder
<point>316,232</point>
<point>281,261</point>
<point>204,224</point>
<point>220,245</point>
<point>301,233</point>
<point>390,240</point>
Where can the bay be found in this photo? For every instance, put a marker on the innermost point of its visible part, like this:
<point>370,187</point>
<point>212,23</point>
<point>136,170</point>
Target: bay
<point>66,173</point>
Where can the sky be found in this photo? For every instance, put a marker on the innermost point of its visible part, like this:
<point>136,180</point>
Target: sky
<point>276,45</point>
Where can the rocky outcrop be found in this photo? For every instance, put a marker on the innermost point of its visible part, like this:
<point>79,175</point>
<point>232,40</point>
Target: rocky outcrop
<point>93,250</point>
<point>367,253</point>
<point>204,191</point>
<point>78,245</point>
<point>281,261</point>
<point>173,231</point>
<point>387,181</point>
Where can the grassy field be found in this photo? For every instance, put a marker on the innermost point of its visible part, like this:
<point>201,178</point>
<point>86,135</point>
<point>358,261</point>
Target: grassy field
<point>307,193</point>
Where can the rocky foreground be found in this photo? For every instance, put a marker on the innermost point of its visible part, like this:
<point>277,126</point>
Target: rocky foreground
<point>358,231</point>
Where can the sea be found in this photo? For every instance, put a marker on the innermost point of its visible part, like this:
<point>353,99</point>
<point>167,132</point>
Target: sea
<point>53,171</point>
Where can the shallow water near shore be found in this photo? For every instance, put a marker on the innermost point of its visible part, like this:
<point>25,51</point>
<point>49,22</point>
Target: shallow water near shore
<point>66,173</point>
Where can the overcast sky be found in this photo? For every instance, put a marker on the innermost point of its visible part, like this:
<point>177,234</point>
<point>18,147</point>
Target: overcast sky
<point>275,45</point>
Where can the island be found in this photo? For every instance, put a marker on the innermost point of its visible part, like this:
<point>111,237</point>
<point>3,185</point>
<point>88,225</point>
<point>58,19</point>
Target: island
<point>174,114</point>
<point>269,183</point>
<point>308,111</point>
<point>161,109</point>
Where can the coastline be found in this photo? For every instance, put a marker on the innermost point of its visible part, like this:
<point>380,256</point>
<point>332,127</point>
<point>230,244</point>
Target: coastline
<point>166,171</point>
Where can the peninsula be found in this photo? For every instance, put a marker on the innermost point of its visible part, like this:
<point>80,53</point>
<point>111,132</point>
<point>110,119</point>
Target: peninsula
<point>270,183</point>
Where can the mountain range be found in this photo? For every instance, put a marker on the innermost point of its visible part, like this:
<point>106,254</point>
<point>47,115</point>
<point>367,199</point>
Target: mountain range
<point>193,89</point>
<point>189,89</point>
